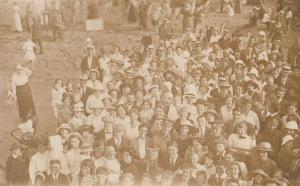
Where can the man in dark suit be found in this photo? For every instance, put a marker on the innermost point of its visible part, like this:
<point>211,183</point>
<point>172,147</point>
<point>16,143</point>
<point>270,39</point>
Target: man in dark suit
<point>56,177</point>
<point>174,161</point>
<point>89,61</point>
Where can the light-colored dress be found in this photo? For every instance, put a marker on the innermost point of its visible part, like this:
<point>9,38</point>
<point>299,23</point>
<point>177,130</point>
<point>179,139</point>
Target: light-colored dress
<point>74,161</point>
<point>17,25</point>
<point>28,47</point>
<point>57,96</point>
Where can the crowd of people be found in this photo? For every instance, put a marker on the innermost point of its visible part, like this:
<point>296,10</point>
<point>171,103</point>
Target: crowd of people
<point>210,106</point>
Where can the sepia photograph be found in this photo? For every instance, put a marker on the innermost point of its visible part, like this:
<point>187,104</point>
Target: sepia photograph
<point>150,92</point>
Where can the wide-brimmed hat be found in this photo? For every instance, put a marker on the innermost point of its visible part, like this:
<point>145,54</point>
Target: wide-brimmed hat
<point>272,180</point>
<point>18,66</point>
<point>150,87</point>
<point>222,82</point>
<point>264,146</point>
<point>99,87</point>
<point>187,123</point>
<point>131,151</point>
<point>220,141</point>
<point>84,77</point>
<point>254,72</point>
<point>286,69</point>
<point>286,139</point>
<point>75,135</point>
<point>64,126</point>
<point>261,172</point>
<point>94,70</point>
<point>211,111</point>
<point>201,101</point>
<point>108,119</point>
<point>84,128</point>
<point>184,109</point>
<point>253,82</point>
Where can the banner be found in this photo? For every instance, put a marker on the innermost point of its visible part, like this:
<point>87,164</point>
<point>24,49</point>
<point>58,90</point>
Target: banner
<point>94,24</point>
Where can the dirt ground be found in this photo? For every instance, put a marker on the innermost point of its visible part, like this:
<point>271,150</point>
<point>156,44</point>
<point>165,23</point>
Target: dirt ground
<point>59,65</point>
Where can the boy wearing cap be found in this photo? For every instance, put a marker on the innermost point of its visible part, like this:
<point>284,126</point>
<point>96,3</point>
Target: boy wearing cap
<point>260,159</point>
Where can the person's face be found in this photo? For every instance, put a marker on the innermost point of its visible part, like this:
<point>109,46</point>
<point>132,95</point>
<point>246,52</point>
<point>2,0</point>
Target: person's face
<point>229,101</point>
<point>76,98</point>
<point>54,168</point>
<point>210,117</point>
<point>146,105</point>
<point>201,179</point>
<point>217,131</point>
<point>229,157</point>
<point>173,150</point>
<point>241,131</point>
<point>86,171</point>
<point>121,112</point>
<point>101,178</point>
<point>184,130</point>
<point>130,99</point>
<point>93,76</point>
<point>220,148</point>
<point>263,155</point>
<point>39,180</point>
<point>143,132</point>
<point>159,113</point>
<point>237,115</point>
<point>200,108</point>
<point>42,148</point>
<point>118,134</point>
<point>183,115</point>
<point>127,158</point>
<point>258,178</point>
<point>75,142</point>
<point>194,158</point>
<point>134,116</point>
<point>167,98</point>
<point>114,94</point>
<point>208,161</point>
<point>68,101</point>
<point>234,170</point>
<point>220,170</point>
<point>64,132</point>
<point>292,109</point>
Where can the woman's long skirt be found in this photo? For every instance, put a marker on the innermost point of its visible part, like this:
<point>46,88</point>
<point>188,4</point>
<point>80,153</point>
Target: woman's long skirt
<point>25,101</point>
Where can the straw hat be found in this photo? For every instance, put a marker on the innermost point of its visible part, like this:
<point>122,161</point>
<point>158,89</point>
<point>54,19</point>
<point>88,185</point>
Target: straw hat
<point>261,172</point>
<point>286,139</point>
<point>75,135</point>
<point>64,126</point>
<point>264,146</point>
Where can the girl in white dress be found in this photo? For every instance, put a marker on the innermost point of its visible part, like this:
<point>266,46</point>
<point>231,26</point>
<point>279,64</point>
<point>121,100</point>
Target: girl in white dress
<point>57,96</point>
<point>28,48</point>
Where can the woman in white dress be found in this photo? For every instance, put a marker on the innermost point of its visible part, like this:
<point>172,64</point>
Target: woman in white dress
<point>17,25</point>
<point>29,48</point>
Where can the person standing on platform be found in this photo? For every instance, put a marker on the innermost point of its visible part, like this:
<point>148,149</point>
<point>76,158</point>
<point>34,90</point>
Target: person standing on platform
<point>22,92</point>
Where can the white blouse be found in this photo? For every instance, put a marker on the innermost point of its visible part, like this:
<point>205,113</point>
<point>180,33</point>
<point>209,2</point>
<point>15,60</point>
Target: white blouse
<point>20,79</point>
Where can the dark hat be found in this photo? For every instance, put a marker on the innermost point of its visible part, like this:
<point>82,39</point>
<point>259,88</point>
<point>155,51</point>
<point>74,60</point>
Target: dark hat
<point>201,101</point>
<point>272,180</point>
<point>220,141</point>
<point>131,151</point>
<point>84,128</point>
<point>261,172</point>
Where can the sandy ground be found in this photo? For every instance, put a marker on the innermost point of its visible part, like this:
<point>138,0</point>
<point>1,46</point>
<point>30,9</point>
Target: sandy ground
<point>124,35</point>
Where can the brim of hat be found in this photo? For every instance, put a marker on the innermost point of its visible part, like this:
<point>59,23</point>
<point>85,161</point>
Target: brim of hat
<point>263,149</point>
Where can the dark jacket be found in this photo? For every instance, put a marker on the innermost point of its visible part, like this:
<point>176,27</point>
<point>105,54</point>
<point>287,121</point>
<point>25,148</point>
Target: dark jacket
<point>85,66</point>
<point>61,181</point>
<point>17,170</point>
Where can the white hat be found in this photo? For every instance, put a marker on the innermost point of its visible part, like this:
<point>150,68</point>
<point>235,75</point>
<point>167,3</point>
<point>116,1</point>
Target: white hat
<point>262,33</point>
<point>286,139</point>
<point>239,62</point>
<point>254,71</point>
<point>99,87</point>
<point>291,125</point>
